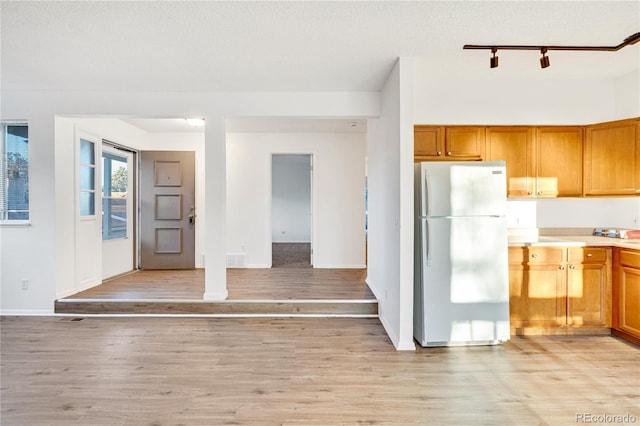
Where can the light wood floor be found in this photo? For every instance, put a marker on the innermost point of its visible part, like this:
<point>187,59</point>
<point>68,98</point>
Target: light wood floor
<point>242,284</point>
<point>203,371</point>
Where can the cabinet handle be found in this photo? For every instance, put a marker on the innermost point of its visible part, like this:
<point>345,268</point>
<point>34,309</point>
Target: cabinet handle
<point>529,192</point>
<point>572,267</point>
<point>562,268</point>
<point>449,153</point>
<point>534,255</point>
<point>589,255</point>
<point>539,192</point>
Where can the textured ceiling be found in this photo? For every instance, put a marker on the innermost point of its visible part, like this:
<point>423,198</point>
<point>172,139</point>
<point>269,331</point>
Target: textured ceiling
<point>298,46</point>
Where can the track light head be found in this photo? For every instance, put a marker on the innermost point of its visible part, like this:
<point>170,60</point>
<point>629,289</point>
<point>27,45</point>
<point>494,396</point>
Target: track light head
<point>493,62</point>
<point>544,61</point>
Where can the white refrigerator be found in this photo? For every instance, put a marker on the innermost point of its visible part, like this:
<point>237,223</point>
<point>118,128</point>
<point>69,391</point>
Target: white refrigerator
<point>461,276</point>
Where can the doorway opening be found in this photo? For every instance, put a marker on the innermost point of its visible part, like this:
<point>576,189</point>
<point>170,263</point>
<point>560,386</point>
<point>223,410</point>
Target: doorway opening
<point>291,211</point>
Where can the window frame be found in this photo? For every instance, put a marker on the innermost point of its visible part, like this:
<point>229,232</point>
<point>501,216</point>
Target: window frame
<point>3,171</point>
<point>112,155</point>
<point>95,173</point>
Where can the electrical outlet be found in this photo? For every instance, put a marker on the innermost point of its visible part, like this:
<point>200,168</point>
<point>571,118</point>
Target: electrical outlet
<point>24,284</point>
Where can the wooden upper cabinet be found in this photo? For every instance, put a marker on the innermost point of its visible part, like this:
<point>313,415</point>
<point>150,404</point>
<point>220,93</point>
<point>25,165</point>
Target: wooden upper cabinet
<point>457,143</point>
<point>428,142</point>
<point>612,158</point>
<point>514,145</point>
<point>464,143</point>
<point>558,161</point>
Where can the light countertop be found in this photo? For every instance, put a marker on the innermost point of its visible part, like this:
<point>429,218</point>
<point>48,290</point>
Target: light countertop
<point>573,241</point>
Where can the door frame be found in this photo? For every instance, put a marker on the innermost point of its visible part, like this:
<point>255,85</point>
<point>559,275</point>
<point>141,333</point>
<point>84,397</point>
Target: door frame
<point>313,192</point>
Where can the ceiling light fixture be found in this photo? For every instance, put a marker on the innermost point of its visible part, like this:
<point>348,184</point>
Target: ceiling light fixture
<point>544,61</point>
<point>195,122</point>
<point>493,62</point>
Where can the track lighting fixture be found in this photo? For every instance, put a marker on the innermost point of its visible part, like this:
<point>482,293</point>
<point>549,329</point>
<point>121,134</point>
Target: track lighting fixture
<point>494,59</point>
<point>544,60</point>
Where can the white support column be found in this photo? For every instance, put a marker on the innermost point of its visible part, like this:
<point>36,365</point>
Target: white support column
<point>215,287</point>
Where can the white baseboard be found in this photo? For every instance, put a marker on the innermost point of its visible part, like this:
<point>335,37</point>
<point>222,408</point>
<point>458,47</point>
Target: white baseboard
<point>399,345</point>
<point>216,295</point>
<point>258,266</point>
<point>340,266</point>
<point>84,287</point>
<point>373,288</point>
<point>65,294</point>
<point>26,312</point>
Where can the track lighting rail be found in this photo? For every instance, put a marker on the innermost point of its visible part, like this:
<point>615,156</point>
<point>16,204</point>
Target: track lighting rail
<point>632,39</point>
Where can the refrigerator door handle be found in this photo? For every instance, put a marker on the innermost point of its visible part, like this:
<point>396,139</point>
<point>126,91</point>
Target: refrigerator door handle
<point>426,192</point>
<point>426,237</point>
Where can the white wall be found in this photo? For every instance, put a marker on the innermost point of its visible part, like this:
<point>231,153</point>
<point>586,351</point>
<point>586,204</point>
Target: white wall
<point>338,195</point>
<point>589,212</point>
<point>390,173</point>
<point>610,212</point>
<point>512,102</point>
<point>627,95</point>
<point>291,199</point>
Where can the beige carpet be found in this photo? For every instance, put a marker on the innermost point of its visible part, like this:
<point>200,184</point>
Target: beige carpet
<point>291,255</point>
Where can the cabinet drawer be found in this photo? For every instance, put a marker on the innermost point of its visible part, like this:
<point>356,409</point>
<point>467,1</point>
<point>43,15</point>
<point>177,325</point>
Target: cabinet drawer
<point>630,258</point>
<point>544,255</point>
<point>587,255</point>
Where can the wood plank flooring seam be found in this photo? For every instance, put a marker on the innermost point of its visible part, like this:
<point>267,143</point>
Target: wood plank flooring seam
<point>75,314</point>
<point>234,301</point>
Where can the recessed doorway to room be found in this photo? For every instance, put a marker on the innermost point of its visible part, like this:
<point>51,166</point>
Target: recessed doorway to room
<point>291,211</point>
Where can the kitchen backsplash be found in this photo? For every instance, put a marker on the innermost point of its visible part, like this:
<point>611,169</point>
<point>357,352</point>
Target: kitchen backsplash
<point>620,212</point>
<point>521,214</point>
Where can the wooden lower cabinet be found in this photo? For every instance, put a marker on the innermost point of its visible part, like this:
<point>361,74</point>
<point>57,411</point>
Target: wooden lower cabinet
<point>589,286</point>
<point>626,294</point>
<point>536,296</point>
<point>559,289</point>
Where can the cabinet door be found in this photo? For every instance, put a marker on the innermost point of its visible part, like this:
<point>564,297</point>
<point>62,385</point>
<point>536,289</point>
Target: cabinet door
<point>428,143</point>
<point>612,158</point>
<point>628,293</point>
<point>537,296</point>
<point>464,143</point>
<point>588,293</point>
<point>515,146</point>
<point>559,161</point>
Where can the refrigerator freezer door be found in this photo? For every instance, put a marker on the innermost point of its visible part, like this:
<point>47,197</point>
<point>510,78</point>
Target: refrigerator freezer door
<point>465,283</point>
<point>464,188</point>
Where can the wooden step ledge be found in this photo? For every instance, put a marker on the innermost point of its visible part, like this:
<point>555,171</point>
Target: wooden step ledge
<point>227,307</point>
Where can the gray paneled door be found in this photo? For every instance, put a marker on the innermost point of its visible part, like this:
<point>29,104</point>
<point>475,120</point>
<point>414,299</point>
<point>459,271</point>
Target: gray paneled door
<point>167,210</point>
